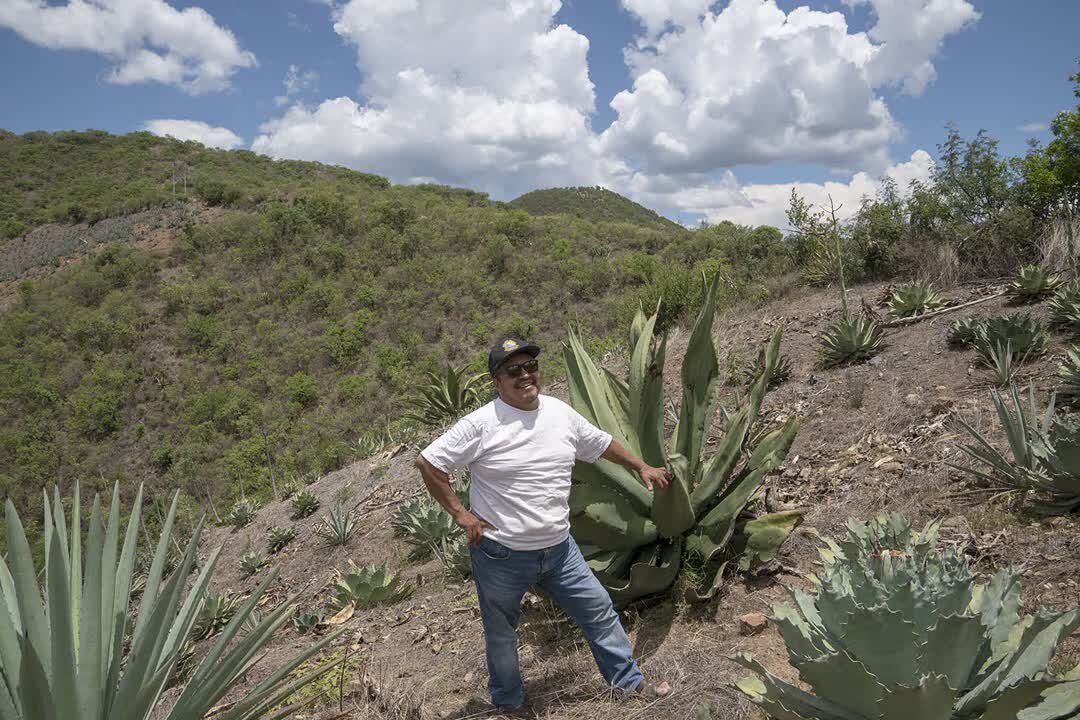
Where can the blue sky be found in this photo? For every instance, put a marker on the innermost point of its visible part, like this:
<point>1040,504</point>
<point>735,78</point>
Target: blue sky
<point>444,91</point>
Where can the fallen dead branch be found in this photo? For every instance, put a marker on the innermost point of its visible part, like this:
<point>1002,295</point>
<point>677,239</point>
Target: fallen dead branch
<point>943,311</point>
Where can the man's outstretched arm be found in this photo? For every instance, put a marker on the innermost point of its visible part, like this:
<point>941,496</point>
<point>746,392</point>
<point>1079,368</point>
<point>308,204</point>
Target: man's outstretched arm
<point>649,475</point>
<point>438,484</point>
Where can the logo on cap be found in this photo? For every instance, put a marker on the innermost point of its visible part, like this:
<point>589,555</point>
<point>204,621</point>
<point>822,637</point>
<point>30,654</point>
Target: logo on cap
<point>509,345</point>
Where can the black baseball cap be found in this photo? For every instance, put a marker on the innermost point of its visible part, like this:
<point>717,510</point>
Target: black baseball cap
<point>507,347</point>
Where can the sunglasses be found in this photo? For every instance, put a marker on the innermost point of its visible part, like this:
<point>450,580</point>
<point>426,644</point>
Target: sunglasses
<point>515,369</point>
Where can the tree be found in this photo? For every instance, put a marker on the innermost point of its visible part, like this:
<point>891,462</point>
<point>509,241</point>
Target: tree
<point>1052,174</point>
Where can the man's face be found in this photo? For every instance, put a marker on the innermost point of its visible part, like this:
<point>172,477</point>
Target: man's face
<point>521,390</point>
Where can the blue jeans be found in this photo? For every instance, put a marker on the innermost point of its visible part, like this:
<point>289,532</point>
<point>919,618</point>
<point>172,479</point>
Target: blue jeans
<point>503,575</point>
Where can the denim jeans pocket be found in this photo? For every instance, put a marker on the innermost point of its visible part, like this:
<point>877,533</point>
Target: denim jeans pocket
<point>492,550</point>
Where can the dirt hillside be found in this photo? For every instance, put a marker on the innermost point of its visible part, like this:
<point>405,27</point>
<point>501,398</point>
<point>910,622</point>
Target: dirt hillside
<point>875,437</point>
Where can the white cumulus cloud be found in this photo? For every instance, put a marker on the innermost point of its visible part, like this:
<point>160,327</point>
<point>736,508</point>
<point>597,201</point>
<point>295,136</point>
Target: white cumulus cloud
<point>656,15</point>
<point>496,95</point>
<point>147,40</point>
<point>765,204</point>
<point>208,135</point>
<point>491,94</point>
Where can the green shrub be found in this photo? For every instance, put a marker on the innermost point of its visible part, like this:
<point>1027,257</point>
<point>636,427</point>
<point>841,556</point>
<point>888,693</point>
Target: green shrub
<point>344,340</point>
<point>301,389</point>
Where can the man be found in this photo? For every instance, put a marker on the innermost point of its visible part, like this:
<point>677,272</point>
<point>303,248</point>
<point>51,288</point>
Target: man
<point>521,449</point>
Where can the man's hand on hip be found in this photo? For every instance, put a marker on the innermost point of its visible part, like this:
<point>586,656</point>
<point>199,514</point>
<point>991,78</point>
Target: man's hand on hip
<point>472,525</point>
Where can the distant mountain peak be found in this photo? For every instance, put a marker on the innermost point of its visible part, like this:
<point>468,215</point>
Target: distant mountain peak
<point>595,204</point>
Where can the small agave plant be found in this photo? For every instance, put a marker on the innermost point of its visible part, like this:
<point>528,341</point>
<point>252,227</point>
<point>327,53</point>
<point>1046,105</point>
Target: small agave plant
<point>216,612</point>
<point>454,555</point>
<point>368,586</point>
<point>425,525</point>
<point>915,298</point>
<point>1069,376</point>
<point>278,538</point>
<point>251,563</point>
<point>305,621</point>
<point>1032,284</point>
<point>896,629</point>
<point>780,374</point>
<point>1064,309</point>
<point>1045,455</point>
<point>303,504</point>
<point>964,331</point>
<point>850,340</point>
<point>368,444</point>
<point>241,514</point>
<point>446,397</point>
<point>338,527</point>
<point>636,540</point>
<point>1018,333</point>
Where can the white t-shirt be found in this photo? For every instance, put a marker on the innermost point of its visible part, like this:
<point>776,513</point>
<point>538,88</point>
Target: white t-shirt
<point>520,462</point>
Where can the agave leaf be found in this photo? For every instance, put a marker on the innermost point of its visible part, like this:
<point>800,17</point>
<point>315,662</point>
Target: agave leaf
<point>764,535</point>
<point>839,677</point>
<point>782,700</point>
<point>952,649</point>
<point>931,699</point>
<point>700,379</point>
<point>653,570</point>
<point>1059,703</point>
<point>672,511</point>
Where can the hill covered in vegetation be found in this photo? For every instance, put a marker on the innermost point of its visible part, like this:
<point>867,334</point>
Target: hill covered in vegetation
<point>252,327</point>
<point>595,204</point>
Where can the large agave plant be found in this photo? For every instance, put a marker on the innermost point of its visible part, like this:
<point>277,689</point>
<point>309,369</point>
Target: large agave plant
<point>850,340</point>
<point>425,525</point>
<point>895,629</point>
<point>446,397</point>
<point>1069,376</point>
<point>1019,333</point>
<point>368,586</point>
<point>915,298</point>
<point>1045,455</point>
<point>1033,283</point>
<point>633,539</point>
<point>1064,309</point>
<point>251,563</point>
<point>69,648</point>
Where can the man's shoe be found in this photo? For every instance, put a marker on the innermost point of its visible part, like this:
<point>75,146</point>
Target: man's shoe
<point>513,711</point>
<point>653,690</point>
